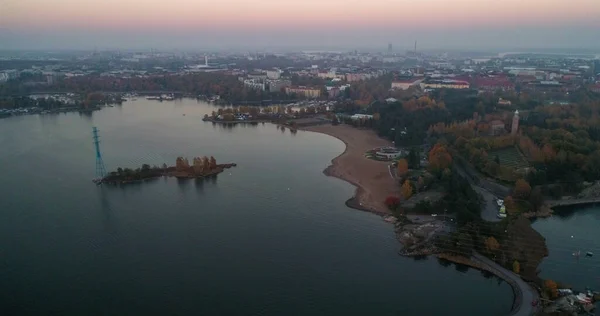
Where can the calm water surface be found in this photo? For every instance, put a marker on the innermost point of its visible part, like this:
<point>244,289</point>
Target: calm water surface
<point>270,237</point>
<point>568,231</point>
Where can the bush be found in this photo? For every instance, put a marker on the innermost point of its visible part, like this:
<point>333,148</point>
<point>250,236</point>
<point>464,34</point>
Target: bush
<point>392,202</point>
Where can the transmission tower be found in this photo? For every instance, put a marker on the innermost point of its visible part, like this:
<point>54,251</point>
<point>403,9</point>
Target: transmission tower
<point>100,170</point>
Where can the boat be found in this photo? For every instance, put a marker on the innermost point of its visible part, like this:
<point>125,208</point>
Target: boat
<point>577,253</point>
<point>97,181</point>
<point>583,298</point>
<point>589,254</point>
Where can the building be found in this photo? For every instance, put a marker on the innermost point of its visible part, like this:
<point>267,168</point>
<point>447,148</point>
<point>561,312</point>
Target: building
<point>515,123</point>
<point>361,116</point>
<point>277,85</point>
<point>444,84</point>
<point>503,102</point>
<point>404,84</point>
<point>254,84</point>
<point>497,128</point>
<point>273,74</point>
<point>307,92</point>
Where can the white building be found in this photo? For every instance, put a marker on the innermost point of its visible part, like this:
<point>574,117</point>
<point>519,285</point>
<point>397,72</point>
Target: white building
<point>254,85</point>
<point>273,74</point>
<point>405,84</point>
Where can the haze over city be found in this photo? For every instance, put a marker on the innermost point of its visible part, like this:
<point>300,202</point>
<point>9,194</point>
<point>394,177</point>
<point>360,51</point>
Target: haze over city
<point>187,24</point>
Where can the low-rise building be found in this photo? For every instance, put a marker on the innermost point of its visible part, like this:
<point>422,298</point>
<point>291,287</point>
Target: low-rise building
<point>307,92</point>
<point>278,85</point>
<point>444,84</point>
<point>405,84</point>
<point>254,84</point>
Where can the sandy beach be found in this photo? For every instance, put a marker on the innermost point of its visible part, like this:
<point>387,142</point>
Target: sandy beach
<point>371,178</point>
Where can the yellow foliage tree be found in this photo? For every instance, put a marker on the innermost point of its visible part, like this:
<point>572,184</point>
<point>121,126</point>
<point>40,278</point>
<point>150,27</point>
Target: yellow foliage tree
<point>406,190</point>
<point>516,267</point>
<point>491,244</point>
<point>402,167</point>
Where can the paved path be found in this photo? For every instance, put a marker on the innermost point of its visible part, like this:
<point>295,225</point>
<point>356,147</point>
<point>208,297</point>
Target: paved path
<point>489,207</point>
<point>524,293</point>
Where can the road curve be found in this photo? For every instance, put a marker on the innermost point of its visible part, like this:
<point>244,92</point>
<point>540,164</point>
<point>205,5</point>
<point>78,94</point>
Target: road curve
<point>524,293</point>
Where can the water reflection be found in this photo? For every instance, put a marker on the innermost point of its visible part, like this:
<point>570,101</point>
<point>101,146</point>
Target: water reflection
<point>106,208</point>
<point>199,182</point>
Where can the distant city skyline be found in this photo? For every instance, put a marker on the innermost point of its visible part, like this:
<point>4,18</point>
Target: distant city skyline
<point>260,24</point>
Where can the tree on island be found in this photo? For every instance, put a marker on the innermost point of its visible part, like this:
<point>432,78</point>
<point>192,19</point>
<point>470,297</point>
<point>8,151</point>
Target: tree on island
<point>212,163</point>
<point>120,171</point>
<point>205,163</point>
<point>145,168</point>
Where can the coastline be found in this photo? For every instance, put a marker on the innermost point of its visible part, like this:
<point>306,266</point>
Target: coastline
<point>370,177</point>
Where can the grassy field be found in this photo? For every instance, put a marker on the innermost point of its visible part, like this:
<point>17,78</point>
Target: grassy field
<point>509,157</point>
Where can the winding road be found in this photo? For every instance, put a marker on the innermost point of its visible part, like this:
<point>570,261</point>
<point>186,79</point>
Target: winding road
<point>524,293</point>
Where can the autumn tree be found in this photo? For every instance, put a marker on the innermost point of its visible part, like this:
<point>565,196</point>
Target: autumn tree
<point>392,202</point>
<point>406,190</point>
<point>439,158</point>
<point>205,163</point>
<point>552,288</point>
<point>491,244</point>
<point>212,162</point>
<point>510,205</point>
<point>522,189</point>
<point>516,266</point>
<point>402,167</point>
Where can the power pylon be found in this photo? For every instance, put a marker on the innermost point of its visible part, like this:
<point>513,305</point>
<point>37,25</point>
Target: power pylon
<point>100,170</point>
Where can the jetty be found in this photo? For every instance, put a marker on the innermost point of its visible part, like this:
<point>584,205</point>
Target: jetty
<point>200,168</point>
<point>572,202</point>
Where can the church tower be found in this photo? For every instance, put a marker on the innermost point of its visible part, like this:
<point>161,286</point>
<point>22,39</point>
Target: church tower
<point>515,123</point>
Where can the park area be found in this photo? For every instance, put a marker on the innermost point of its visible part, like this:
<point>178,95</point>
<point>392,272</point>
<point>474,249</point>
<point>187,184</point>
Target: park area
<point>508,157</point>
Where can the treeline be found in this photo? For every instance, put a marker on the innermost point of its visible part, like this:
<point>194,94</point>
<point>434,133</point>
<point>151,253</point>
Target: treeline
<point>43,103</point>
<point>406,122</point>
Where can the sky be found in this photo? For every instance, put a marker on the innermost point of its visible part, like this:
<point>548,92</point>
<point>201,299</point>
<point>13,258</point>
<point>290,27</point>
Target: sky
<point>263,24</point>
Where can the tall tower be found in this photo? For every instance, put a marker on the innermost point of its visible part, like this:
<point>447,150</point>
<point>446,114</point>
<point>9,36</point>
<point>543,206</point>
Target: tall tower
<point>205,60</point>
<point>515,123</point>
<point>100,170</point>
<point>389,48</point>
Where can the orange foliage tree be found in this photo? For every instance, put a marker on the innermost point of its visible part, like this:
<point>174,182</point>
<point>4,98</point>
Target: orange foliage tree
<point>402,167</point>
<point>439,158</point>
<point>510,205</point>
<point>551,287</point>
<point>522,189</point>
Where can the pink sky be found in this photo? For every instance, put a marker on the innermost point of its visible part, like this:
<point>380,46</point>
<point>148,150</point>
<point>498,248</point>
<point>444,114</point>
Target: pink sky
<point>285,14</point>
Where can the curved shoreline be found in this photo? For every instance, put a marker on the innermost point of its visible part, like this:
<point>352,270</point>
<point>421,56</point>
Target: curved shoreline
<point>519,287</point>
<point>363,198</point>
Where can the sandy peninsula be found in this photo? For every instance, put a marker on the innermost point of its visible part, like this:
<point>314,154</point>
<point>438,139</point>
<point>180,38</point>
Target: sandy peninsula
<point>372,178</point>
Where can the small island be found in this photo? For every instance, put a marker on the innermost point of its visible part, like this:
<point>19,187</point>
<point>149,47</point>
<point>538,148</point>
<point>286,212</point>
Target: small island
<point>200,168</point>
